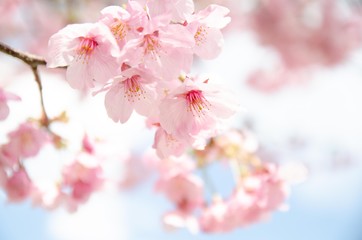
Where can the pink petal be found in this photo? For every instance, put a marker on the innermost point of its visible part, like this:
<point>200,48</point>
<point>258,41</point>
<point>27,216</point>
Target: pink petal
<point>117,106</point>
<point>78,75</point>
<point>211,45</point>
<point>61,45</point>
<point>4,110</point>
<point>102,66</point>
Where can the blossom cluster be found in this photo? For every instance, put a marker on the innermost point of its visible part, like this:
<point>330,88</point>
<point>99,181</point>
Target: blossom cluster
<point>141,55</point>
<point>259,188</point>
<point>307,33</point>
<point>304,34</point>
<point>78,180</point>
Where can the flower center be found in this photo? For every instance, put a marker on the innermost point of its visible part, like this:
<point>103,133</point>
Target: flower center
<point>133,89</point>
<point>86,47</point>
<point>119,29</point>
<point>200,35</point>
<point>196,102</point>
<point>151,43</point>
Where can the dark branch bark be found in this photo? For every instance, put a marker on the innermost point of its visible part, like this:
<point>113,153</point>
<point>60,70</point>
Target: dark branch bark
<point>33,61</point>
<point>30,59</point>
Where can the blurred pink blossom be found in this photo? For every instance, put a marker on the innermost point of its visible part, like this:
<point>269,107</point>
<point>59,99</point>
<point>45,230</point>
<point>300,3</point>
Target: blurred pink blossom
<point>80,180</point>
<point>26,141</point>
<point>4,98</point>
<point>18,186</point>
<point>307,32</point>
<point>184,190</point>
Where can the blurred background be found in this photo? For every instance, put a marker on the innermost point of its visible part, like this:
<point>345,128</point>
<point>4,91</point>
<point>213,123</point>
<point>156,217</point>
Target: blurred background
<point>300,96</point>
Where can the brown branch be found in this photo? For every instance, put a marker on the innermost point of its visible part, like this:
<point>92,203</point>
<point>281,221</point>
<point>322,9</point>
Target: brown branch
<point>44,118</point>
<point>30,59</point>
<point>33,61</point>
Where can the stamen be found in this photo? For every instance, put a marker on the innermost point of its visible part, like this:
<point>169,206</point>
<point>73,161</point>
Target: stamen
<point>196,102</point>
<point>119,29</point>
<point>151,43</point>
<point>86,48</point>
<point>133,89</point>
<point>200,35</point>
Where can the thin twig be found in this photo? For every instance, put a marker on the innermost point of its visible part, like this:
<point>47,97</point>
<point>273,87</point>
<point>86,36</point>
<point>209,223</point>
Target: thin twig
<point>30,59</point>
<point>33,61</point>
<point>44,118</point>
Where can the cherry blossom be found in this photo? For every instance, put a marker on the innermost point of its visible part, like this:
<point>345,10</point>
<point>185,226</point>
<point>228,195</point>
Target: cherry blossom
<point>184,190</point>
<point>165,49</point>
<point>140,55</point>
<point>4,98</point>
<point>26,141</point>
<point>196,108</point>
<point>166,145</point>
<point>8,157</point>
<point>205,27</point>
<point>80,178</point>
<point>216,217</point>
<point>124,23</point>
<point>306,33</point>
<point>134,89</point>
<point>136,170</point>
<point>18,186</point>
<point>179,10</point>
<point>89,50</point>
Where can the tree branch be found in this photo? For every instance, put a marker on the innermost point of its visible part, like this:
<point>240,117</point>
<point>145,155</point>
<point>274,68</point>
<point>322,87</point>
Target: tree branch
<point>33,61</point>
<point>30,59</point>
<point>44,118</point>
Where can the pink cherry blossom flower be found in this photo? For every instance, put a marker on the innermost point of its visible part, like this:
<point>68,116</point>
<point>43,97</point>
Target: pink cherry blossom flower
<point>166,145</point>
<point>270,81</point>
<point>304,37</point>
<point>237,140</point>
<point>124,23</point>
<point>196,109</point>
<point>172,166</point>
<point>26,141</point>
<point>273,190</point>
<point>87,145</point>
<point>243,209</point>
<point>18,186</point>
<point>205,27</point>
<point>4,98</point>
<point>215,218</point>
<point>178,219</point>
<point>165,49</point>
<point>261,193</point>
<point>184,190</point>
<point>179,10</point>
<point>134,89</point>
<point>80,180</point>
<point>135,170</point>
<point>89,50</point>
<point>8,157</point>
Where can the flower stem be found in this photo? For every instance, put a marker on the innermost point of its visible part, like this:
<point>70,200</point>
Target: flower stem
<point>33,61</point>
